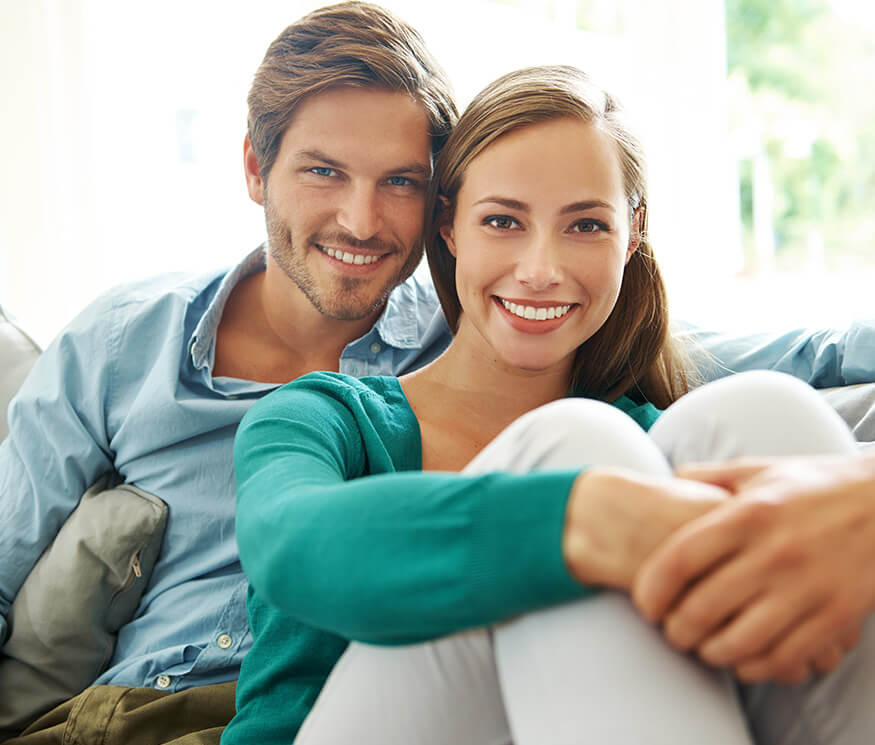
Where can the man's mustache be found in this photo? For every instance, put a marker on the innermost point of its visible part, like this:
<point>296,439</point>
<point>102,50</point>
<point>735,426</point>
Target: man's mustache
<point>344,239</point>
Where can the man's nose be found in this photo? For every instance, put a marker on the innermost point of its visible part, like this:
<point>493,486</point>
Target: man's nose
<point>359,213</point>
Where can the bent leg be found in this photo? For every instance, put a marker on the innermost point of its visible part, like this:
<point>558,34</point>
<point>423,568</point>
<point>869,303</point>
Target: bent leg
<point>750,414</point>
<point>594,670</point>
<point>766,414</point>
<point>557,668</point>
<point>439,693</point>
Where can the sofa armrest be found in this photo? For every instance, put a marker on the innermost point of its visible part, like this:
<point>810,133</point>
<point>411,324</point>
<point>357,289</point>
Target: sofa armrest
<point>18,352</point>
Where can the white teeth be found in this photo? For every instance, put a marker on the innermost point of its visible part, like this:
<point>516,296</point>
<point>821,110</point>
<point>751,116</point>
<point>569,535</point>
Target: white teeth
<point>531,313</point>
<point>347,258</point>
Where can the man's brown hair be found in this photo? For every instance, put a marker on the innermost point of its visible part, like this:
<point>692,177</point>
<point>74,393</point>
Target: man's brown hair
<point>349,44</point>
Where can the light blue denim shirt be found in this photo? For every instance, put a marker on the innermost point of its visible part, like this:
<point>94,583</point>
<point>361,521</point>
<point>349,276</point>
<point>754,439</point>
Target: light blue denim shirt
<point>128,386</point>
<point>822,357</point>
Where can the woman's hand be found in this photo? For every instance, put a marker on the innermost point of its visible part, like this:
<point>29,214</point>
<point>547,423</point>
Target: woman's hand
<point>777,582</point>
<point>616,518</point>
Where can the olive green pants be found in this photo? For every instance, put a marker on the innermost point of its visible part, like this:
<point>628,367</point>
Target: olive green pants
<point>116,715</point>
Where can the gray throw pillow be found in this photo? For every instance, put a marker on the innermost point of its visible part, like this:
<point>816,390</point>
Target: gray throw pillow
<point>85,586</point>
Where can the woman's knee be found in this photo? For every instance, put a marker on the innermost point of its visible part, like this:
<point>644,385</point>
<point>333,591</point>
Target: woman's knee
<point>753,413</point>
<point>569,433</point>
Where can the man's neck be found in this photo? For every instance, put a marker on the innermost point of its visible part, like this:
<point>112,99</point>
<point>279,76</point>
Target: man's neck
<point>272,333</point>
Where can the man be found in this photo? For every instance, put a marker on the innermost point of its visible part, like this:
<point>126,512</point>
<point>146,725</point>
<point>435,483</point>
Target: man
<point>346,112</point>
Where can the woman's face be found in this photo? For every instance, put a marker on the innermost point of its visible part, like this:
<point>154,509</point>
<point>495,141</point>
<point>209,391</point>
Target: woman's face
<point>541,236</point>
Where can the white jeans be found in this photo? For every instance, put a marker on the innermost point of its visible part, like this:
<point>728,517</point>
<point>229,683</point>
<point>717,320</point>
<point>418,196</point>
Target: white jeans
<point>593,671</point>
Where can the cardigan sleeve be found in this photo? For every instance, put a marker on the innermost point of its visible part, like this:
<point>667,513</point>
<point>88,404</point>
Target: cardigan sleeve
<point>392,558</point>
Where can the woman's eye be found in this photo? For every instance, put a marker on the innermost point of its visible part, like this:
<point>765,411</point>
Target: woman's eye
<point>501,222</point>
<point>588,226</point>
<point>323,171</point>
<point>400,181</point>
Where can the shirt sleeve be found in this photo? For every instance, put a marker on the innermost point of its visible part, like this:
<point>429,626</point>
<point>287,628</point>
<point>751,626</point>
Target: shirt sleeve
<point>822,357</point>
<point>57,445</point>
<point>393,558</point>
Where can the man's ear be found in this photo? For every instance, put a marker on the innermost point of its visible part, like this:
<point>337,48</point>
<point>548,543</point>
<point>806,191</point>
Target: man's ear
<point>635,232</point>
<point>446,228</point>
<point>254,183</point>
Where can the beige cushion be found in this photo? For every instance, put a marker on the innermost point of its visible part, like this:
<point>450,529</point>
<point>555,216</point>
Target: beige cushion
<point>85,586</point>
<point>18,352</point>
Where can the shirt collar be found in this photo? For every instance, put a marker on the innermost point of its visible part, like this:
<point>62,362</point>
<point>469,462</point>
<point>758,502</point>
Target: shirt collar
<point>398,324</point>
<point>202,341</point>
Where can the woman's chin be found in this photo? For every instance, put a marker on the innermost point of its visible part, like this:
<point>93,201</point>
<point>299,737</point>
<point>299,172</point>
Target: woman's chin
<point>533,364</point>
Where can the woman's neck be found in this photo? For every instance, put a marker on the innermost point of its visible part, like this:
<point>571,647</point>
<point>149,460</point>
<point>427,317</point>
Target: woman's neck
<point>470,374</point>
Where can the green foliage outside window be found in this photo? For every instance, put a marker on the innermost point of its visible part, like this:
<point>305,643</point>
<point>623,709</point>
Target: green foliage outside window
<point>802,81</point>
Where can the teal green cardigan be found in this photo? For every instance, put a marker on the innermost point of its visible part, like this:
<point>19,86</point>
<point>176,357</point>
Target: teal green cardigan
<point>396,557</point>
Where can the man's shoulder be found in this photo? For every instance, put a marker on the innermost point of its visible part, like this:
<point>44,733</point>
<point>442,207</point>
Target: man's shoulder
<point>163,299</point>
<point>177,288</point>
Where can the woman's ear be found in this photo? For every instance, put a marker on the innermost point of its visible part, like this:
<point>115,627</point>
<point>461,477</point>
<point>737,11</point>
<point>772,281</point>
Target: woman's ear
<point>635,232</point>
<point>446,228</point>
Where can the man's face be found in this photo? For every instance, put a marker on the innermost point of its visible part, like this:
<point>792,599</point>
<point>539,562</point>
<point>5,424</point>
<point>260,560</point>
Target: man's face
<point>344,200</point>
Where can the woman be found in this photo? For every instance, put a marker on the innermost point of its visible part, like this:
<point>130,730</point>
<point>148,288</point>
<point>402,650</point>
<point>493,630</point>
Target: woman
<point>538,250</point>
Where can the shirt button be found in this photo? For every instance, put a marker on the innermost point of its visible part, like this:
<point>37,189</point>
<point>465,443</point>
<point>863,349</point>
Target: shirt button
<point>163,681</point>
<point>376,348</point>
<point>224,641</point>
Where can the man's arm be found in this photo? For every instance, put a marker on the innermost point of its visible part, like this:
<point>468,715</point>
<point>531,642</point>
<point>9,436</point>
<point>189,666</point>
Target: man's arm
<point>777,577</point>
<point>823,358</point>
<point>57,446</point>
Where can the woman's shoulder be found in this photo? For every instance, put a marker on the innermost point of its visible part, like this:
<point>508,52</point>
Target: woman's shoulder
<point>342,386</point>
<point>318,394</point>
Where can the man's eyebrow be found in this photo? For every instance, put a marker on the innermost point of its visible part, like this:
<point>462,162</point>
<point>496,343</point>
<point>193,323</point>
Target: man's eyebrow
<point>318,155</point>
<point>419,169</point>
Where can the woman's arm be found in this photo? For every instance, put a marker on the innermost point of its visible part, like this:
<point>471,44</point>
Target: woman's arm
<point>391,558</point>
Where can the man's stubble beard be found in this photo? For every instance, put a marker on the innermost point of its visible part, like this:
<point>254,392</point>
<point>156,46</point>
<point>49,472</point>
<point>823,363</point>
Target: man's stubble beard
<point>342,304</point>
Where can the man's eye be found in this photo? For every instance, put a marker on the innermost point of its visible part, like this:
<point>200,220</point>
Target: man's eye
<point>323,171</point>
<point>400,181</point>
<point>588,226</point>
<point>501,222</point>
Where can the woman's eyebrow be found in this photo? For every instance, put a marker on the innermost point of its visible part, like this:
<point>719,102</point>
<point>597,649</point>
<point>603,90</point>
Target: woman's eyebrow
<point>516,204</point>
<point>586,205</point>
<point>513,204</point>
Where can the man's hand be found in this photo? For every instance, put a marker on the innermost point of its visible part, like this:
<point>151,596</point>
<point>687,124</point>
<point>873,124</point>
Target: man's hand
<point>615,519</point>
<point>777,581</point>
